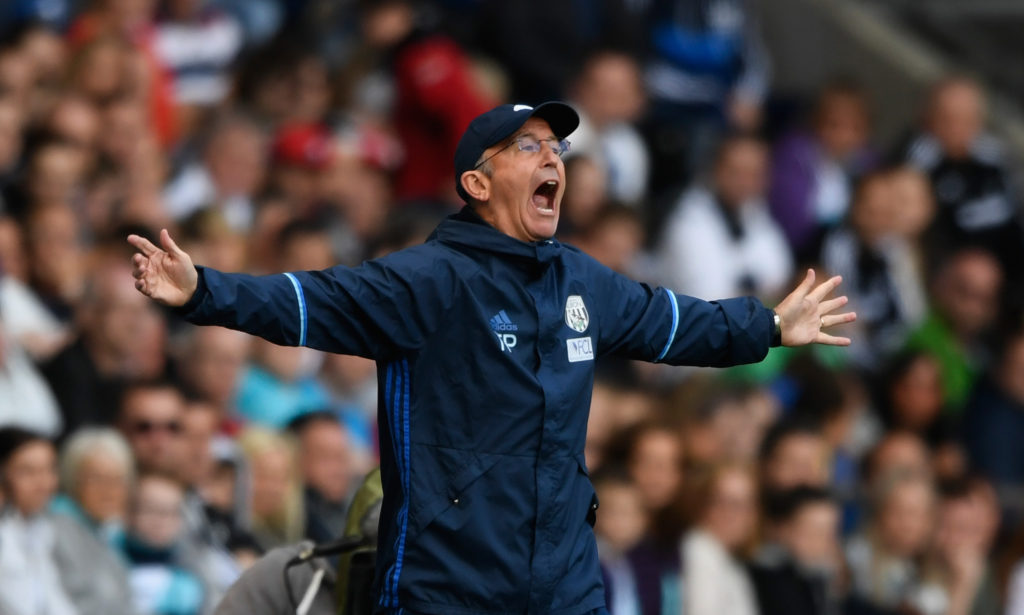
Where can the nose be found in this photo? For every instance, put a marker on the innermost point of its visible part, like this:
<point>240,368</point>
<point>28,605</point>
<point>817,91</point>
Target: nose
<point>549,150</point>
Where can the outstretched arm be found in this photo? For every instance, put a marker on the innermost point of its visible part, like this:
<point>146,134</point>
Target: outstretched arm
<point>165,275</point>
<point>659,325</point>
<point>805,312</point>
<point>370,310</point>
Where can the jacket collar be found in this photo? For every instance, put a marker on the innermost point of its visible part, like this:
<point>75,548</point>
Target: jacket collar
<point>467,229</point>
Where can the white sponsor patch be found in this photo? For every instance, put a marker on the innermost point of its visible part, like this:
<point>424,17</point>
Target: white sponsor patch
<point>522,108</point>
<point>580,349</point>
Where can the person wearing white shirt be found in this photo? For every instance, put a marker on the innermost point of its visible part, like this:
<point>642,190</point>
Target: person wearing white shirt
<point>715,581</point>
<point>29,581</point>
<point>721,240</point>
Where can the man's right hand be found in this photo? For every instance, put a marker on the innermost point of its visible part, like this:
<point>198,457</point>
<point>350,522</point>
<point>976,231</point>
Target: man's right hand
<point>166,275</point>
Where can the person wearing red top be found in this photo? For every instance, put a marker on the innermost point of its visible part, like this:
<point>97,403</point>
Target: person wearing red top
<point>133,22</point>
<point>435,98</point>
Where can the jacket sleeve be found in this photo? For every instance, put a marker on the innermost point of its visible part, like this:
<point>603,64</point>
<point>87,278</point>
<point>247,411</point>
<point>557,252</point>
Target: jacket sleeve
<point>369,311</point>
<point>658,325</point>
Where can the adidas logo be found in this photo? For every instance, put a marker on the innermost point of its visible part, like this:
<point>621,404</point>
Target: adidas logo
<point>500,323</point>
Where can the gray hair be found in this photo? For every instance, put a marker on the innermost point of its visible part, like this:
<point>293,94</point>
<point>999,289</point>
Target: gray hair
<point>92,441</point>
<point>483,164</point>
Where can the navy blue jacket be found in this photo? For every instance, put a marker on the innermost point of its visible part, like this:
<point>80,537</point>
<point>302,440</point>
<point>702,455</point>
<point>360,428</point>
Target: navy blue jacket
<point>485,349</point>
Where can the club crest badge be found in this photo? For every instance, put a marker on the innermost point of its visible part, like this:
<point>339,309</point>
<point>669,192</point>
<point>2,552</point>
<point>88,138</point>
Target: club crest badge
<point>576,316</point>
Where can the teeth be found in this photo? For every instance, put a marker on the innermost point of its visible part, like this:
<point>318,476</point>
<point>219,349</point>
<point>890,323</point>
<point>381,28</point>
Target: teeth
<point>551,182</point>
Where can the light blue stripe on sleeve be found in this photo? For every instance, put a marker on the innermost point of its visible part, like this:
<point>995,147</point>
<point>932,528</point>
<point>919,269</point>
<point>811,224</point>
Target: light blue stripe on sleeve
<point>675,324</point>
<point>302,307</point>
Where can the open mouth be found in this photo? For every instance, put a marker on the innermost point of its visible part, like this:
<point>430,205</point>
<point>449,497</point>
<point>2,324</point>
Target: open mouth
<point>544,196</point>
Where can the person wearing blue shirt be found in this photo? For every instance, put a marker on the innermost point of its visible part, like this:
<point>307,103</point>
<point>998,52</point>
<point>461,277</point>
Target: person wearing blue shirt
<point>485,338</point>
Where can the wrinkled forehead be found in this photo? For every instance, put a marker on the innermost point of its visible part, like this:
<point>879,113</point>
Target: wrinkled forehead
<point>537,127</point>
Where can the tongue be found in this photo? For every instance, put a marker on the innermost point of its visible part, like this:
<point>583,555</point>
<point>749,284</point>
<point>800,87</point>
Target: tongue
<point>541,201</point>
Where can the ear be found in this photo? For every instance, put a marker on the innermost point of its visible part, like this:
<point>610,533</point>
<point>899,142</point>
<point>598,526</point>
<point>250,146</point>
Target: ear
<point>477,185</point>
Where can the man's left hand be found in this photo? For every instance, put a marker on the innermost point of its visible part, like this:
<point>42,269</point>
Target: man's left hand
<point>805,312</point>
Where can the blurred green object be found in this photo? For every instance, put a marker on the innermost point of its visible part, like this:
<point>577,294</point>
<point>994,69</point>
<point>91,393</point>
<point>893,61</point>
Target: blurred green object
<point>356,568</point>
<point>773,366</point>
<point>958,371</point>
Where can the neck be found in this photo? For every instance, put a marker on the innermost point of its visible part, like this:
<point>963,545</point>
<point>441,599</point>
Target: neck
<point>489,212</point>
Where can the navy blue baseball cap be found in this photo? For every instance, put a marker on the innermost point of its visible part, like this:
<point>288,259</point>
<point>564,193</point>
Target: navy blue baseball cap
<point>502,122</point>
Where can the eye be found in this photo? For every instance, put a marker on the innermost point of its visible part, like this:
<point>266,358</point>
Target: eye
<point>528,144</point>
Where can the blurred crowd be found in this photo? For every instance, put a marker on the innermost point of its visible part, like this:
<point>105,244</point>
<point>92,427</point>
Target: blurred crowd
<point>144,463</point>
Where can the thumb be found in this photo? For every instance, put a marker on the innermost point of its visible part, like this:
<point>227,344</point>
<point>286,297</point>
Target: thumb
<point>169,245</point>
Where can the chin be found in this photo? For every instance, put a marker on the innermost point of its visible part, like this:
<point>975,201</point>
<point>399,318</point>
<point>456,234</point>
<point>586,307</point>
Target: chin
<point>542,229</point>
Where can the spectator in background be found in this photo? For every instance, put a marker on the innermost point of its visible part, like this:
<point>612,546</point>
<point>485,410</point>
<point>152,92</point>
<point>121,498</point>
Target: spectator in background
<point>129,26</point>
<point>967,519</point>
<point>197,43</point>
<point>25,399</point>
<point>609,96</point>
<point>30,582</point>
<point>721,241</point>
<point>150,418</point>
<point>559,43</point>
<point>13,260</point>
<point>912,396</point>
<point>725,513</point>
<point>210,360</point>
<point>200,426</point>
<point>884,285</point>
<point>813,171</point>
<point>218,545</point>
<point>965,303</point>
<point>614,238</point>
<point>896,452</point>
<point>161,580</point>
<point>915,211</point>
<point>208,232</point>
<point>279,385</point>
<point>968,173</point>
<point>327,470</point>
<point>304,246</point>
<point>55,254</point>
<point>16,77</point>
<point>276,503</point>
<point>885,560</point>
<point>97,475</point>
<point>284,81</point>
<point>586,194</point>
<point>655,462</point>
<point>12,122</point>
<point>707,72</point>
<point>43,45</point>
<point>436,96</point>
<point>74,120</point>
<point>227,175</point>
<point>302,154</point>
<point>794,454</point>
<point>120,339</point>
<point>797,571</point>
<point>619,527</point>
<point>994,419</point>
<point>359,188</point>
<point>352,382</point>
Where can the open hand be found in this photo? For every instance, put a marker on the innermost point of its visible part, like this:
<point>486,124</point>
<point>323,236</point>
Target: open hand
<point>805,312</point>
<point>166,275</point>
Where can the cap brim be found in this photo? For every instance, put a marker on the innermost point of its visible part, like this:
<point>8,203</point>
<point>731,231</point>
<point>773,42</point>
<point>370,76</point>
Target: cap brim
<point>562,118</point>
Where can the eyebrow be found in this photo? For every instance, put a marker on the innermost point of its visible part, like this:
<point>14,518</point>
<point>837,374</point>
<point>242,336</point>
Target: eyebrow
<point>530,134</point>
